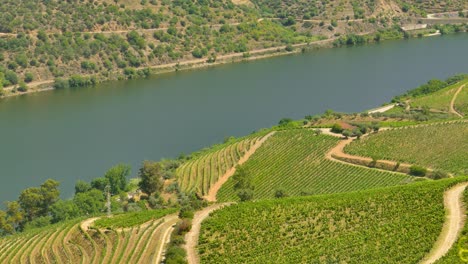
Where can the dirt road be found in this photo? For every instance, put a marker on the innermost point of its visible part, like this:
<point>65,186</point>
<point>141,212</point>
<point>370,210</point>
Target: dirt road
<point>453,225</point>
<point>191,238</point>
<point>452,103</point>
<point>211,197</point>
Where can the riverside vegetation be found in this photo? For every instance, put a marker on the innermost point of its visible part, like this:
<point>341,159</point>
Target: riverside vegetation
<point>80,43</point>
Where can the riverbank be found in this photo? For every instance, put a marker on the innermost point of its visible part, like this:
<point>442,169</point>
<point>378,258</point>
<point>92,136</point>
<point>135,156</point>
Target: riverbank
<point>47,85</point>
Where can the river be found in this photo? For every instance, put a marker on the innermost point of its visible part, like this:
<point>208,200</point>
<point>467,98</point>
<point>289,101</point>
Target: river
<point>79,133</point>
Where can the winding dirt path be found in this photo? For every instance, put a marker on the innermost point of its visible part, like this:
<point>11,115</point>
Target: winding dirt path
<point>452,103</point>
<point>191,238</point>
<point>211,196</point>
<point>162,236</point>
<point>455,219</point>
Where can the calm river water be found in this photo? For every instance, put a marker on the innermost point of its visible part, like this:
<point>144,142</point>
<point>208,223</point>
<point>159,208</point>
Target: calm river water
<point>78,134</point>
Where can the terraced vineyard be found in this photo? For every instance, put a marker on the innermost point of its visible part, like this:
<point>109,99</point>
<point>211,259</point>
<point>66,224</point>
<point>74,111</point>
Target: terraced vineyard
<point>201,172</point>
<point>439,100</point>
<point>453,256</point>
<point>294,160</point>
<point>387,225</point>
<point>67,242</point>
<point>461,102</point>
<point>438,146</point>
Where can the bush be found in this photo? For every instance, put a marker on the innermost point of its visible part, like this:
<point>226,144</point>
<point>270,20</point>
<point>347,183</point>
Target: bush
<point>336,128</point>
<point>418,171</point>
<point>245,195</point>
<point>28,77</point>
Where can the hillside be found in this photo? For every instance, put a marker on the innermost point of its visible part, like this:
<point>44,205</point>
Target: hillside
<point>294,161</point>
<point>75,43</point>
<point>389,225</point>
<point>437,146</point>
<point>73,242</point>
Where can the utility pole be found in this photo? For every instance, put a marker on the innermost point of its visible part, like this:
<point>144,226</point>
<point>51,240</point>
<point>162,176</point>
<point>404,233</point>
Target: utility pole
<point>108,203</point>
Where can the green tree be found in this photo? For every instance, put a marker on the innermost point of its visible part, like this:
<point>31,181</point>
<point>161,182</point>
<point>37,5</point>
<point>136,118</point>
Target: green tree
<point>117,177</point>
<point>50,193</point>
<point>90,202</point>
<point>245,195</point>
<point>64,210</point>
<point>5,227</point>
<point>242,179</point>
<point>14,213</point>
<point>151,177</point>
<point>99,183</point>
<point>30,200</point>
<point>28,77</point>
<point>82,186</point>
<point>35,201</point>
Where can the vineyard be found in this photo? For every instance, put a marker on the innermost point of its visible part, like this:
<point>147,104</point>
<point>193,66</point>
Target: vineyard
<point>67,242</point>
<point>461,102</point>
<point>204,170</point>
<point>386,225</point>
<point>438,146</point>
<point>294,161</point>
<point>439,100</point>
<point>452,256</point>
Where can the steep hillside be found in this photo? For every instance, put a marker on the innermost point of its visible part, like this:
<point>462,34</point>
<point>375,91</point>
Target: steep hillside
<point>437,146</point>
<point>389,225</point>
<point>294,161</point>
<point>75,242</point>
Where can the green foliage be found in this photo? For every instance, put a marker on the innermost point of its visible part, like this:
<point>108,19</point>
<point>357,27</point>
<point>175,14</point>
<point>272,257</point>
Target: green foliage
<point>431,86</point>
<point>374,225</point>
<point>151,177</point>
<point>132,219</point>
<point>295,161</point>
<point>35,201</point>
<point>336,128</point>
<point>117,177</point>
<point>82,186</point>
<point>438,146</point>
<point>63,211</point>
<point>99,183</point>
<point>90,202</point>
<point>418,171</point>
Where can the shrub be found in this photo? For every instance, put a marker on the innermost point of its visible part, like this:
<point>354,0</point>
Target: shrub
<point>336,128</point>
<point>418,171</point>
<point>28,77</point>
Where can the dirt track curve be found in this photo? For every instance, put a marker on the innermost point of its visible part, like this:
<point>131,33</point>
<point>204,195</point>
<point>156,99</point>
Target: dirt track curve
<point>211,196</point>
<point>452,103</point>
<point>453,225</point>
<point>191,238</point>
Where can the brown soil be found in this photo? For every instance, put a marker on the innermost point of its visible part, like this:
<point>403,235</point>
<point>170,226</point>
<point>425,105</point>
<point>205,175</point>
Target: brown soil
<point>211,197</point>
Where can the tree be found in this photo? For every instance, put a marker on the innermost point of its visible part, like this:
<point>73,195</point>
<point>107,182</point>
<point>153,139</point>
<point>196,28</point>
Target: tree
<point>35,201</point>
<point>151,177</point>
<point>64,210</point>
<point>245,195</point>
<point>50,194</point>
<point>117,177</point>
<point>99,183</point>
<point>242,179</point>
<point>336,128</point>
<point>346,133</point>
<point>90,202</point>
<point>30,200</point>
<point>82,186</point>
<point>5,227</point>
<point>28,77</point>
<point>14,214</point>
